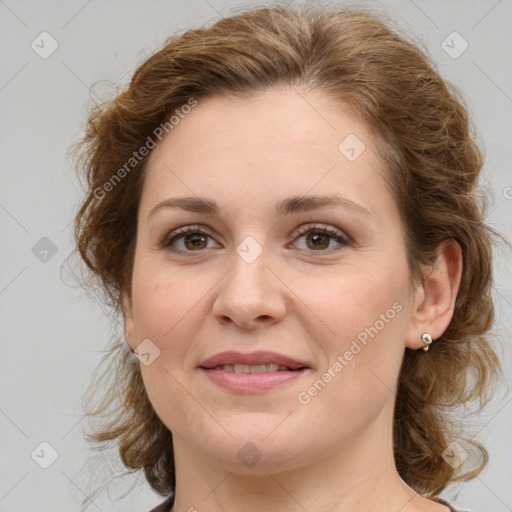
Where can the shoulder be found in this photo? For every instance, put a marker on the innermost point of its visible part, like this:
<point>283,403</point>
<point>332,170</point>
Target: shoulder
<point>164,506</point>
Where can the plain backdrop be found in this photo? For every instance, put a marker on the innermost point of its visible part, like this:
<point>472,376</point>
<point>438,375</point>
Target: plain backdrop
<point>58,57</point>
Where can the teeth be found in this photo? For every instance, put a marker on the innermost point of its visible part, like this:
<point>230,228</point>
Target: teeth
<point>258,368</point>
<point>253,368</point>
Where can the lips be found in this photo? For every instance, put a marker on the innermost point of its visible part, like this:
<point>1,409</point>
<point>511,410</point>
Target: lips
<point>257,372</point>
<point>254,360</point>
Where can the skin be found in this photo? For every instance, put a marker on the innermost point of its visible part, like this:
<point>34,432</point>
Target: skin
<point>334,453</point>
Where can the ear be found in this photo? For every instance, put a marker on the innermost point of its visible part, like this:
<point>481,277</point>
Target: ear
<point>128,323</point>
<point>435,296</point>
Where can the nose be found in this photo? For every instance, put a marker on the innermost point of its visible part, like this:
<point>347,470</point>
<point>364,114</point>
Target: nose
<point>250,295</point>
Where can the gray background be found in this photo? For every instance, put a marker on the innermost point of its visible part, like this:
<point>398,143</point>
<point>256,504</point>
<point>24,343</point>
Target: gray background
<point>52,336</point>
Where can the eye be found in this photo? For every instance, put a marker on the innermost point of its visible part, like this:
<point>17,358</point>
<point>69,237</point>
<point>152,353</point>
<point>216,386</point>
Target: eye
<point>318,237</point>
<point>191,238</point>
<point>194,238</point>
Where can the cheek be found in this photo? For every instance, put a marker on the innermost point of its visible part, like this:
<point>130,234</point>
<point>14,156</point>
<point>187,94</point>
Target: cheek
<point>166,311</point>
<point>162,301</point>
<point>360,302</point>
<point>366,311</point>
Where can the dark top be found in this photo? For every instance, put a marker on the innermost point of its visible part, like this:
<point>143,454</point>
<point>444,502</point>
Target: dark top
<point>169,502</point>
<point>165,506</point>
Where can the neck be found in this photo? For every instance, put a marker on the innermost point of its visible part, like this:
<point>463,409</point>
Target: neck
<point>358,476</point>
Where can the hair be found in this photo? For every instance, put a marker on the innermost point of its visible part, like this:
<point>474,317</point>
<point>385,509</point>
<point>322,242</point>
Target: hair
<point>427,144</point>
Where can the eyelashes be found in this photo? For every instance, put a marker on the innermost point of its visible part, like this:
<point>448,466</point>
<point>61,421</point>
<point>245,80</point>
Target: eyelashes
<point>328,233</point>
<point>317,235</point>
<point>186,233</point>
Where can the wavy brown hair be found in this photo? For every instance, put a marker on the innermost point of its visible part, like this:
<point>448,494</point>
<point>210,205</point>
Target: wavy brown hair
<point>429,148</point>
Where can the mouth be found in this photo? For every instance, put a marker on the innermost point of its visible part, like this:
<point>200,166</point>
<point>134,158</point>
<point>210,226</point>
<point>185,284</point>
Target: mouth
<point>255,368</point>
<point>252,373</point>
<point>254,362</point>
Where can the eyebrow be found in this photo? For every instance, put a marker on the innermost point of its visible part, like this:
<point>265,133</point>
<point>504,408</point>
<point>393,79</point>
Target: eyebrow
<point>287,206</point>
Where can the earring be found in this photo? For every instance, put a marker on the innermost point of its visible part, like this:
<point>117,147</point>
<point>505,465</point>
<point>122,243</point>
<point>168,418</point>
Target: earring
<point>427,340</point>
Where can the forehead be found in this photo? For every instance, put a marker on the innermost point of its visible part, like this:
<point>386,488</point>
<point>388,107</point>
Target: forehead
<point>274,144</point>
<point>278,119</point>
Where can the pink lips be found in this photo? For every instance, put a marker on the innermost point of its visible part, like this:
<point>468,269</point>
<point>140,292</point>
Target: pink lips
<point>247,383</point>
<point>259,357</point>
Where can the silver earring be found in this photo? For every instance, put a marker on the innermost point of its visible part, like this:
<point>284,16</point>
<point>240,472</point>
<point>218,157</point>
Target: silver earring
<point>427,340</point>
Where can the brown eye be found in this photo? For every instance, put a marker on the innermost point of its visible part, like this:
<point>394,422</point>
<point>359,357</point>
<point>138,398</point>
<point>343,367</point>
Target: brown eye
<point>187,239</point>
<point>318,238</point>
<point>195,241</point>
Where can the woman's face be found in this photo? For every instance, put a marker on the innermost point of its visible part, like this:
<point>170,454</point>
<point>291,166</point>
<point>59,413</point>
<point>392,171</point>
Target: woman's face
<point>276,266</point>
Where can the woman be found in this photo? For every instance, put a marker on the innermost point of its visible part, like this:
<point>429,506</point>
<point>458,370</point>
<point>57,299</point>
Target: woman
<point>282,207</point>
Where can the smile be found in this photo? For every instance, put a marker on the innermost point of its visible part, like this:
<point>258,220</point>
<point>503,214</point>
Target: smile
<point>253,368</point>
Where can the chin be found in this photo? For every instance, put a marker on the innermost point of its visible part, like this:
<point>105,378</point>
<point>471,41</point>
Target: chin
<point>257,447</point>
